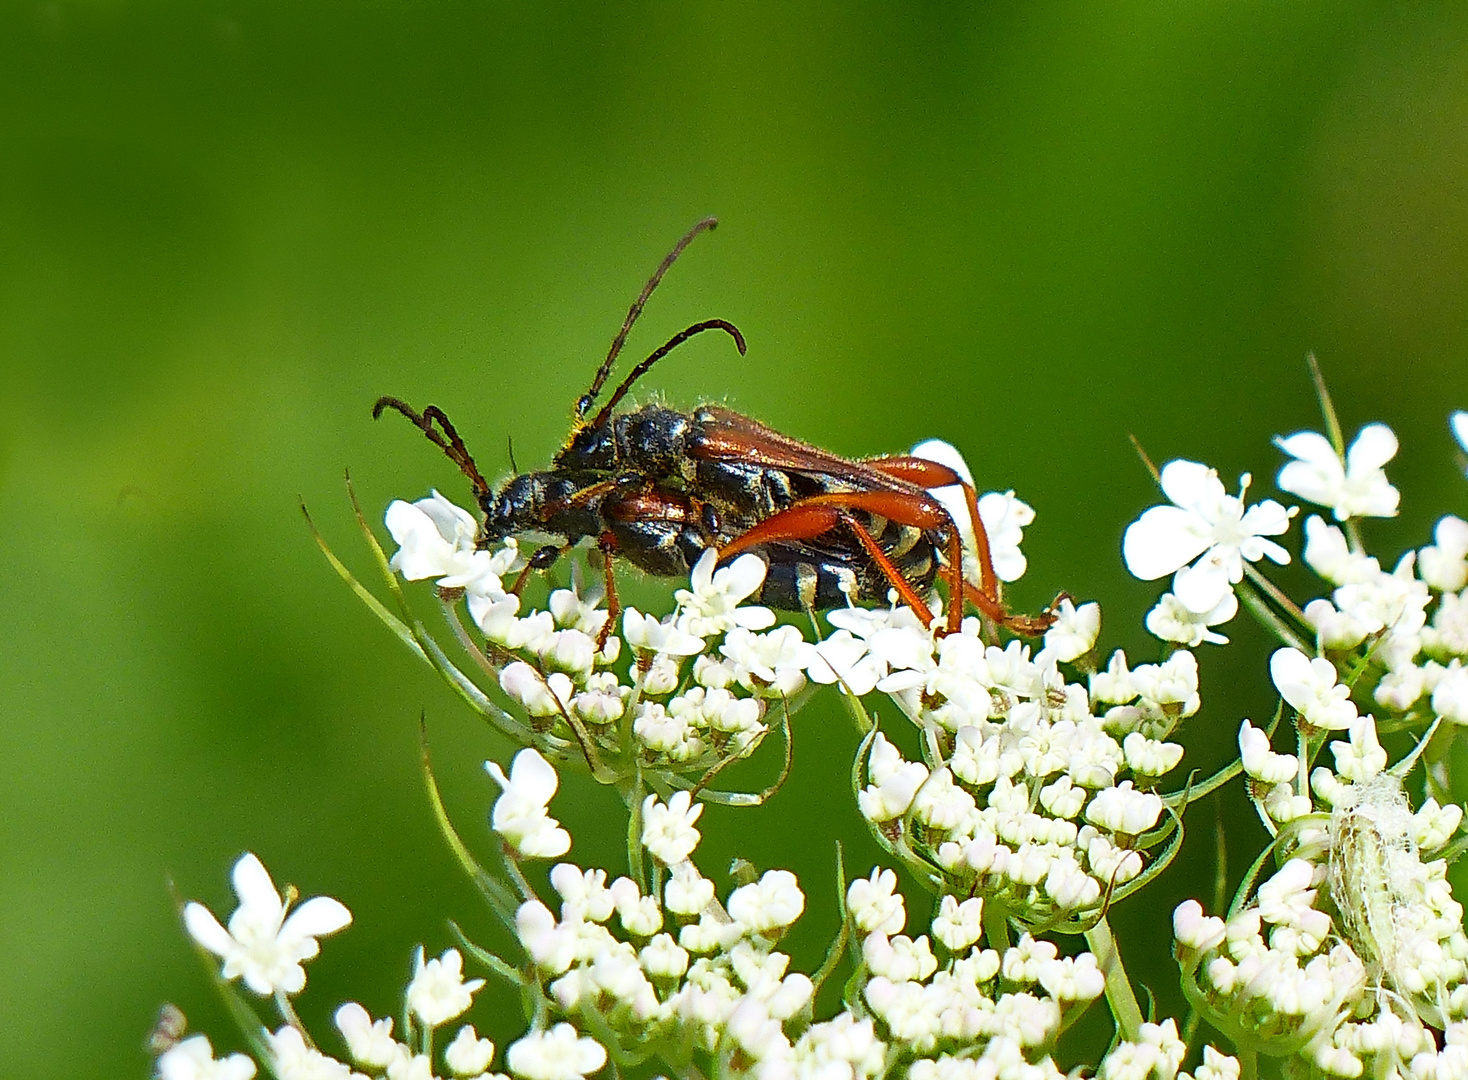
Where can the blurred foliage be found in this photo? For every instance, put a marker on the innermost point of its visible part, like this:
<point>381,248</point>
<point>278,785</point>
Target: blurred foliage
<point>228,225</point>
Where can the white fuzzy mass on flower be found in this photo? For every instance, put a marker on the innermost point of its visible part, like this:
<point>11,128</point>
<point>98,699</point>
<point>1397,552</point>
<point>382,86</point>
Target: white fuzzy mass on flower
<point>1355,487</point>
<point>263,945</point>
<point>1204,537</point>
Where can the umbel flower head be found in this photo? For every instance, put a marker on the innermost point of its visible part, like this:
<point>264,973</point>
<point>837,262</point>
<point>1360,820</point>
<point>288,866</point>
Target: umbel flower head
<point>1032,793</point>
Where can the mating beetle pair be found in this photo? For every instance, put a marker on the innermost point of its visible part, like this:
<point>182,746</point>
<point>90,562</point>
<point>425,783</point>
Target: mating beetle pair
<point>659,487</point>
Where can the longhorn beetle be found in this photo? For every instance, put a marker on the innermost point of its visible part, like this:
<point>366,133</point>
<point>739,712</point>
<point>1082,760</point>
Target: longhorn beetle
<point>658,487</point>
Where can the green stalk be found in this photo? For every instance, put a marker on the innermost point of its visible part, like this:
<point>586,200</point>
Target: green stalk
<point>996,926</point>
<point>1269,619</point>
<point>1119,993</point>
<point>1248,1063</point>
<point>632,794</point>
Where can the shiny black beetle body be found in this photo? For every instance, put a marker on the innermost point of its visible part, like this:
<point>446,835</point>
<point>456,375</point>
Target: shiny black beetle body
<point>659,487</point>
<point>647,486</point>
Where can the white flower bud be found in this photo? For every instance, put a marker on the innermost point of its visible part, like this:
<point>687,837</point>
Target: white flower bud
<point>1122,809</point>
<point>468,1055</point>
<point>1195,930</point>
<point>874,903</point>
<point>1260,762</point>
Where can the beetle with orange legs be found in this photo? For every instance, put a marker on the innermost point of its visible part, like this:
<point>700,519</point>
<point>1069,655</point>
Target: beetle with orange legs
<point>658,487</point>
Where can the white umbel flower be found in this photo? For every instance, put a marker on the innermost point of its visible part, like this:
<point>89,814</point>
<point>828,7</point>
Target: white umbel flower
<point>519,813</point>
<point>558,1054</point>
<point>1075,630</point>
<point>436,539</point>
<point>711,606</point>
<point>894,782</point>
<point>1204,537</point>
<point>439,992</point>
<point>1450,695</point>
<point>874,903</point>
<point>771,903</point>
<point>1004,516</point>
<point>292,1059</point>
<point>843,657</point>
<point>668,829</point>
<point>1260,761</point>
<point>1123,809</point>
<point>1072,978</point>
<point>468,1054</point>
<point>957,925</point>
<point>1329,554</point>
<point>1172,620</point>
<point>263,945</point>
<point>193,1059</point>
<point>1356,487</point>
<point>1193,929</point>
<point>1362,757</point>
<point>647,634</point>
<point>1444,564</point>
<point>1310,686</point>
<point>369,1042</point>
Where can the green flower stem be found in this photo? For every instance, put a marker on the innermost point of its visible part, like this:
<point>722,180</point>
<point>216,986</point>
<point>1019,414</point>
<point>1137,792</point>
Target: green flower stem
<point>512,867</point>
<point>1437,758</point>
<point>1275,593</point>
<point>837,948</point>
<point>996,926</point>
<point>632,794</point>
<point>1352,529</point>
<point>493,891</point>
<point>1266,616</point>
<point>288,1013</point>
<point>1248,1062</point>
<point>1119,993</point>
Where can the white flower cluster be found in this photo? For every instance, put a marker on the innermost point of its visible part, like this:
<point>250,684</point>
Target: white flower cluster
<point>1352,954</point>
<point>672,974</point>
<point>1417,657</point>
<point>699,682</point>
<point>265,949</point>
<point>1203,539</point>
<point>1003,1008</point>
<point>1033,799</point>
<point>1035,802</point>
<point>1207,537</point>
<point>1354,949</point>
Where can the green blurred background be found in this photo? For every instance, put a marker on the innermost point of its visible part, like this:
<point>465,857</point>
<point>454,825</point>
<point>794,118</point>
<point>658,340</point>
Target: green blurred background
<point>226,227</point>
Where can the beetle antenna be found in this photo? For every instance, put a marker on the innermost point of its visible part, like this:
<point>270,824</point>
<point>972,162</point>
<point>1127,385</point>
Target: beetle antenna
<point>671,344</point>
<point>510,445</point>
<point>583,406</point>
<point>442,435</point>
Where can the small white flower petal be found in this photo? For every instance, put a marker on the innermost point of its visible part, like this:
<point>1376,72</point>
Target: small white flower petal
<point>1163,540</point>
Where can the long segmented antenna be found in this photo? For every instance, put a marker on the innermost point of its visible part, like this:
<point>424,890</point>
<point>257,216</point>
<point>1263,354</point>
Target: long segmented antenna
<point>448,441</point>
<point>663,350</point>
<point>587,399</point>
